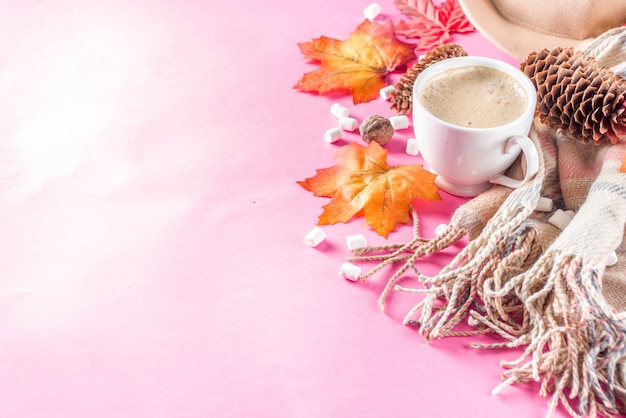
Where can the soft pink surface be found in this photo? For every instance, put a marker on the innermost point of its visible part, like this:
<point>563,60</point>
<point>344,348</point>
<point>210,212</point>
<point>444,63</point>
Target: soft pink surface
<point>153,262</point>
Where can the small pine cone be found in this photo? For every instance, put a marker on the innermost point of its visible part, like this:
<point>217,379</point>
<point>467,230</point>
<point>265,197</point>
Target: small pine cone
<point>402,97</point>
<point>576,95</point>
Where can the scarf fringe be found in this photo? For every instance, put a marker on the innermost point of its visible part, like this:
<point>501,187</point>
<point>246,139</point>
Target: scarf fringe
<point>576,341</point>
<point>460,226</point>
<point>407,253</point>
<point>456,293</point>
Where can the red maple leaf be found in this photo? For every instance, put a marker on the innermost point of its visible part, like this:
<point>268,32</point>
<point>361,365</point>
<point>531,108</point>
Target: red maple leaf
<point>432,24</point>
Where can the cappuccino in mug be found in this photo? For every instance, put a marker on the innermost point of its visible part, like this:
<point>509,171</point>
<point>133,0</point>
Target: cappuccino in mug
<point>474,97</point>
<point>471,118</point>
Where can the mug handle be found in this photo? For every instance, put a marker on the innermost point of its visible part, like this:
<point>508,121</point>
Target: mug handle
<point>532,161</point>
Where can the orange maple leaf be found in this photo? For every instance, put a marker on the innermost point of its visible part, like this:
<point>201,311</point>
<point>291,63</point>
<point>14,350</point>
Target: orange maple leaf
<point>363,182</point>
<point>359,64</point>
<point>432,24</point>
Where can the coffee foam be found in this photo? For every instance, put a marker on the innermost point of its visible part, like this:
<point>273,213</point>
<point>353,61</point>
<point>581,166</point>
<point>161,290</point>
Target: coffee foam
<point>474,97</point>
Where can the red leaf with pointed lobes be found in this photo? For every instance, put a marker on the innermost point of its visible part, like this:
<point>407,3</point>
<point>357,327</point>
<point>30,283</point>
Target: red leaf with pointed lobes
<point>432,24</point>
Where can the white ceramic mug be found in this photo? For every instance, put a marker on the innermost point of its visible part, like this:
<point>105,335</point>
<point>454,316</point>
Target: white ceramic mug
<point>468,161</point>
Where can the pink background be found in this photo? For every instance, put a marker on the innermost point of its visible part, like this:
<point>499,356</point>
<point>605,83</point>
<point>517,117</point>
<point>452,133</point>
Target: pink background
<point>153,262</point>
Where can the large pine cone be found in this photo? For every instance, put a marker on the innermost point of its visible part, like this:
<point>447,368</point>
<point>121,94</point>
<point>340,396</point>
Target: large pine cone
<point>578,96</point>
<point>402,97</point>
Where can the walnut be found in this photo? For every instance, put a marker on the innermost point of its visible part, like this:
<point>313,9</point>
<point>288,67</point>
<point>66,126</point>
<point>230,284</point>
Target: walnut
<point>376,128</point>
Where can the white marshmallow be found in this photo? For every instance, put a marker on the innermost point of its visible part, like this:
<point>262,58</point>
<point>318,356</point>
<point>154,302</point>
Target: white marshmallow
<point>339,111</point>
<point>385,92</point>
<point>561,219</point>
<point>611,259</point>
<point>315,237</point>
<point>412,146</point>
<point>399,122</point>
<point>440,229</point>
<point>544,204</point>
<point>347,123</point>
<point>350,271</point>
<point>371,11</point>
<point>355,242</point>
<point>332,135</point>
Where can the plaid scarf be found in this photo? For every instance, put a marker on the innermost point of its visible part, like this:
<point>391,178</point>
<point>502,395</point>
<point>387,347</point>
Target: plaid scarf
<point>558,293</point>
